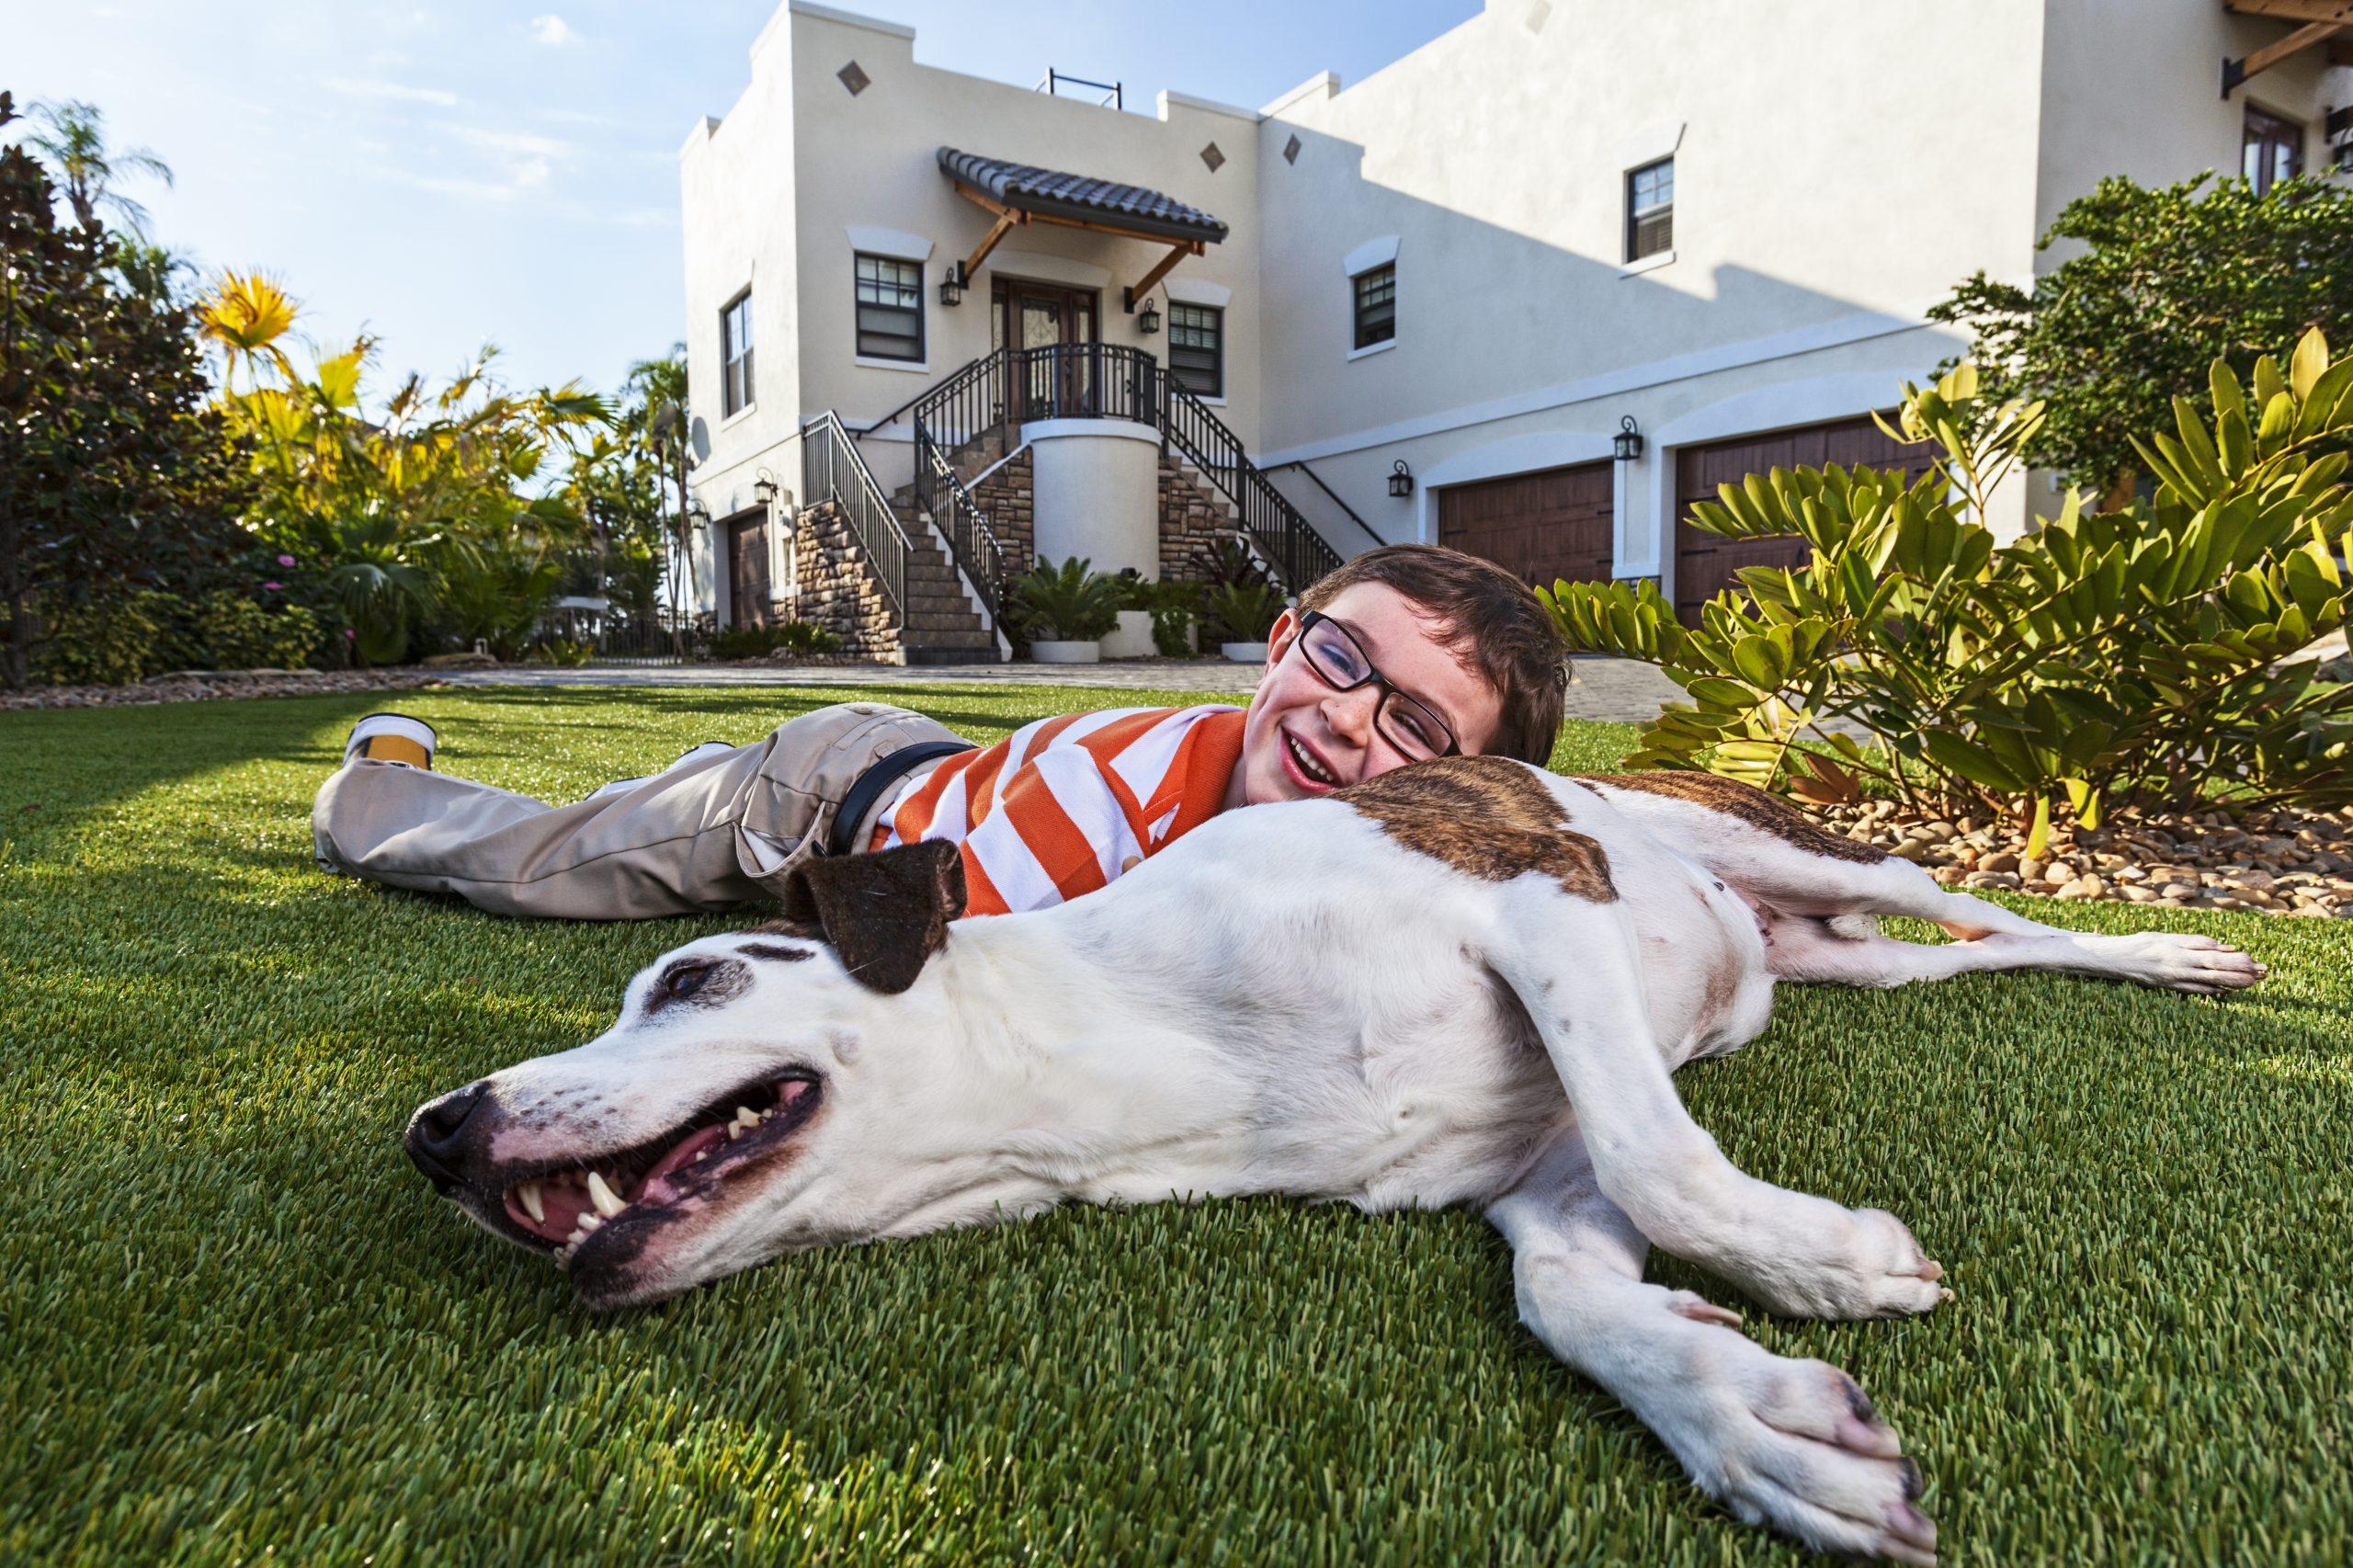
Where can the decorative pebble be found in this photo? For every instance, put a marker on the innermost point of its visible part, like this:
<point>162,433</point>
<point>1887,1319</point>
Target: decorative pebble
<point>2281,861</point>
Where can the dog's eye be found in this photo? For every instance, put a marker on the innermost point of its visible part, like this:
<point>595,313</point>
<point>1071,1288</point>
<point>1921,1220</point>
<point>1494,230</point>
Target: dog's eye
<point>686,980</point>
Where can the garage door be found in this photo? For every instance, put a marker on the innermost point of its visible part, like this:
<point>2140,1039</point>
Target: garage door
<point>1704,563</point>
<point>1541,526</point>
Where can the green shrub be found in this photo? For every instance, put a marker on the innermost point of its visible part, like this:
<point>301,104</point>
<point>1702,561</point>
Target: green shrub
<point>1066,603</point>
<point>567,651</point>
<point>1242,612</point>
<point>783,637</point>
<point>2119,659</point>
<point>227,631</point>
<point>105,642</point>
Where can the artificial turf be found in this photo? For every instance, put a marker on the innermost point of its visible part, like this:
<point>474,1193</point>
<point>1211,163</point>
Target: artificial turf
<point>233,1323</point>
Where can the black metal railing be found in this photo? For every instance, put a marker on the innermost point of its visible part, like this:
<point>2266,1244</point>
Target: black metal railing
<point>832,469</point>
<point>959,518</point>
<point>991,398</point>
<point>1318,480</point>
<point>1082,381</point>
<point>1280,531</point>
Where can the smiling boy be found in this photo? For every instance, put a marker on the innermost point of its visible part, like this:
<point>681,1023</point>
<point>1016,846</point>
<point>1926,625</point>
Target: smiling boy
<point>1403,654</point>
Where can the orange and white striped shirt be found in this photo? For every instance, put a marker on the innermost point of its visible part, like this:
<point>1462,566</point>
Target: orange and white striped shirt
<point>1059,807</point>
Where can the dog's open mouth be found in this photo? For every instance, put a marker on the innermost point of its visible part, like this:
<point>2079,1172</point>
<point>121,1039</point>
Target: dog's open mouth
<point>564,1207</point>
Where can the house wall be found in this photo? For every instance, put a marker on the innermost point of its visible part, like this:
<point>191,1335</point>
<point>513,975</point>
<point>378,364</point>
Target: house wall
<point>1823,202</point>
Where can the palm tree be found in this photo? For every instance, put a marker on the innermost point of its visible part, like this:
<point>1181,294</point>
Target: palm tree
<point>76,147</point>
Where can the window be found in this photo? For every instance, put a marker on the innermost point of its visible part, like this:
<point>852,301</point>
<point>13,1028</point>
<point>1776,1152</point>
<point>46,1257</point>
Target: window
<point>1376,295</point>
<point>1650,210</point>
<point>1196,348</point>
<point>735,354</point>
<point>890,308</point>
<point>2272,150</point>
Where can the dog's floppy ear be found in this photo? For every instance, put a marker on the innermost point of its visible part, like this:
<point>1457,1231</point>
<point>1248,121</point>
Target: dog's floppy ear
<point>885,913</point>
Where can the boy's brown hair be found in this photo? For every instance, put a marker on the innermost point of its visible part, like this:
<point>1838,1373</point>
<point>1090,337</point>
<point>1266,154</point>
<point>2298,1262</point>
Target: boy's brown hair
<point>1496,624</point>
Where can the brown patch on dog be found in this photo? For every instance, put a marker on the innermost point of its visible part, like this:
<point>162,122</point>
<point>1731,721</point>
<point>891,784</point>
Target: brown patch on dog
<point>1486,816</point>
<point>885,914</point>
<point>1747,803</point>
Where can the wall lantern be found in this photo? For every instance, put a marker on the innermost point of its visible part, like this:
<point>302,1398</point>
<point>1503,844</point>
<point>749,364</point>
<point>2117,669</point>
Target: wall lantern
<point>764,488</point>
<point>1627,442</point>
<point>1148,319</point>
<point>951,284</point>
<point>1401,480</point>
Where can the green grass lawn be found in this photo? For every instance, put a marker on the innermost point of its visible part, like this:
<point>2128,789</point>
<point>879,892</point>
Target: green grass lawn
<point>234,1322</point>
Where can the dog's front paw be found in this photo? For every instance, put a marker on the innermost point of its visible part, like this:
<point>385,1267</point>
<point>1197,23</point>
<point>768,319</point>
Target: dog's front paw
<point>1848,1263</point>
<point>1802,1450</point>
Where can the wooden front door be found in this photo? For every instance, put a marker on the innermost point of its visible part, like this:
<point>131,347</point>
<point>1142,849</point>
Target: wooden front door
<point>1042,315</point>
<point>1704,563</point>
<point>1540,526</point>
<point>749,596</point>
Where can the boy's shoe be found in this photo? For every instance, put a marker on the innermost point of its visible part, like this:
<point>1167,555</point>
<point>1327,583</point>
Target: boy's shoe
<point>391,737</point>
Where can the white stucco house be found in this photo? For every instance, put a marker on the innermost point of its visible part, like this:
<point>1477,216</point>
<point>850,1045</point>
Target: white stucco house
<point>1422,306</point>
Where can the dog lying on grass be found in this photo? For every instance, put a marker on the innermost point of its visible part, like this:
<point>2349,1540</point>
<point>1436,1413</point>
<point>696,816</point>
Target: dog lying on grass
<point>1462,983</point>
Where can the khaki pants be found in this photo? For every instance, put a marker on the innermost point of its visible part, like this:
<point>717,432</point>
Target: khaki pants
<point>715,832</point>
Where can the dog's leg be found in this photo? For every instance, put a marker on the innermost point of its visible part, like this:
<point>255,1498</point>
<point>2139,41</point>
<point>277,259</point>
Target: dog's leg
<point>1812,950</point>
<point>1573,966</point>
<point>1791,1444</point>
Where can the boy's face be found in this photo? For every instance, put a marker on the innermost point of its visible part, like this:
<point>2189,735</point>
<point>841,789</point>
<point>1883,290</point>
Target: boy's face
<point>1302,739</point>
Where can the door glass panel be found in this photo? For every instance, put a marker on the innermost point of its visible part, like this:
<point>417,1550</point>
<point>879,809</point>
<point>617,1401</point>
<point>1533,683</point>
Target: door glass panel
<point>1041,323</point>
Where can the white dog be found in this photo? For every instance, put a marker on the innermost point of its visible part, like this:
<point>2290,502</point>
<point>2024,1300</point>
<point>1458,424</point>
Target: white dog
<point>1464,982</point>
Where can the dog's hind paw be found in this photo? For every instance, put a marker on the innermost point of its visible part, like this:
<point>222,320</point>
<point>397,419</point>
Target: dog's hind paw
<point>1861,1263</point>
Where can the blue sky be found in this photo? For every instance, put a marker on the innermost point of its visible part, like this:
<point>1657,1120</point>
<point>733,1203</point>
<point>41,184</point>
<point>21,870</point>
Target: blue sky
<point>444,174</point>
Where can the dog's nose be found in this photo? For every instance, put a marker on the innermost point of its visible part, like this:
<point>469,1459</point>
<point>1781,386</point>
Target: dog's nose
<point>436,1134</point>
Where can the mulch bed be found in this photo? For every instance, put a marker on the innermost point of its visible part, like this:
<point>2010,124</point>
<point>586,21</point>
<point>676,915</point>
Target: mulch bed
<point>2279,861</point>
<point>199,686</point>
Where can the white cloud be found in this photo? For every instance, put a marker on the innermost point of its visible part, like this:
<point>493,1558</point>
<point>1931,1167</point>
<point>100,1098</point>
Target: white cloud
<point>352,87</point>
<point>521,142</point>
<point>553,30</point>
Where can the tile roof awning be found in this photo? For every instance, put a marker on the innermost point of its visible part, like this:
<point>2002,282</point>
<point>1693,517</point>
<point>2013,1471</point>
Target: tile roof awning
<point>1105,204</point>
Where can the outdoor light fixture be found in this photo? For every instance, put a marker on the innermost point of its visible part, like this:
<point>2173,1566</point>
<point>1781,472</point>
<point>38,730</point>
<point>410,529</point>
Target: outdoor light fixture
<point>1627,442</point>
<point>951,284</point>
<point>764,487</point>
<point>1401,480</point>
<point>1148,319</point>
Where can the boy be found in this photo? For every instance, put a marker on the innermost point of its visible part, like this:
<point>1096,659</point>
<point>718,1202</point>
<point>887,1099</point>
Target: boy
<point>1403,654</point>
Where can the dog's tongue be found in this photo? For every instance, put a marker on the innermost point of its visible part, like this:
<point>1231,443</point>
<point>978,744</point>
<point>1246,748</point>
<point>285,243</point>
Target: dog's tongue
<point>657,1190</point>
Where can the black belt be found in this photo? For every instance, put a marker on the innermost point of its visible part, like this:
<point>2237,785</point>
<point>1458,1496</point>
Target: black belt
<point>866,792</point>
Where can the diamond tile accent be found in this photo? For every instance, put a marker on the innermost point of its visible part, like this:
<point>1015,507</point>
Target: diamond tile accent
<point>1291,151</point>
<point>856,80</point>
<point>1213,157</point>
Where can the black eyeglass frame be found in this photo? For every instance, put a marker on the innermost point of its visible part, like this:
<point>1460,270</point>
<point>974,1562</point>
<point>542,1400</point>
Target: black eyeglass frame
<point>1389,693</point>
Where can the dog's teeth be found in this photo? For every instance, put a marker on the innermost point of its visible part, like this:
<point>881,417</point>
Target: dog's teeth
<point>607,1201</point>
<point>578,1235</point>
<point>590,1224</point>
<point>734,1132</point>
<point>746,1119</point>
<point>529,1196</point>
<point>701,1154</point>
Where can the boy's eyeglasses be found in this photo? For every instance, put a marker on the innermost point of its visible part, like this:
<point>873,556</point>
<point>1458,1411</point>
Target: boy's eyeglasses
<point>1405,723</point>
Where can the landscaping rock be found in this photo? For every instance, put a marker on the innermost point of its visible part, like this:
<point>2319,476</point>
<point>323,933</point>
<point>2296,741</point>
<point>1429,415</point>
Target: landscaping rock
<point>197,685</point>
<point>2281,860</point>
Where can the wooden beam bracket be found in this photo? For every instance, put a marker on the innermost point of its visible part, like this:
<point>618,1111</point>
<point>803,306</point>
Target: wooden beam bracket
<point>1177,252</point>
<point>997,231</point>
<point>2235,72</point>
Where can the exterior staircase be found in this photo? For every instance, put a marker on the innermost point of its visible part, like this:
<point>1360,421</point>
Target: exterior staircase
<point>940,625</point>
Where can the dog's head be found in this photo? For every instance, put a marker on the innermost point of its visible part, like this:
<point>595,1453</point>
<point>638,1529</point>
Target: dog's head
<point>760,1092</point>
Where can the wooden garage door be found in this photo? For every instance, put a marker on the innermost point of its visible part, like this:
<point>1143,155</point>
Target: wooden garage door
<point>1541,527</point>
<point>1703,562</point>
